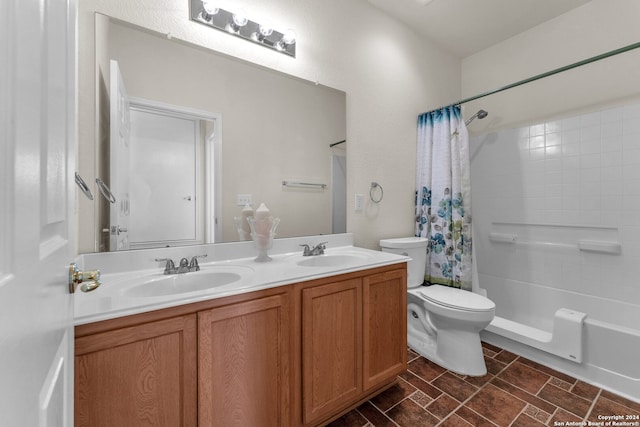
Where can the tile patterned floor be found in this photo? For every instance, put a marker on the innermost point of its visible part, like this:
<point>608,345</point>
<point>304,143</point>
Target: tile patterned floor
<point>515,392</point>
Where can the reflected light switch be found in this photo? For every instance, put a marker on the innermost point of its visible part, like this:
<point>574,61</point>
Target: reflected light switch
<point>359,202</point>
<point>243,199</point>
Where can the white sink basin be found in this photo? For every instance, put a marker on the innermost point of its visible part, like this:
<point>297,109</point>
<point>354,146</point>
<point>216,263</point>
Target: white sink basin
<point>330,260</point>
<point>174,284</point>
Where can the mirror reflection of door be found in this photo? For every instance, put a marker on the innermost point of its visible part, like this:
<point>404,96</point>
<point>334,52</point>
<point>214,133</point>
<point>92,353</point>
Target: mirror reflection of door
<point>162,162</point>
<point>167,185</point>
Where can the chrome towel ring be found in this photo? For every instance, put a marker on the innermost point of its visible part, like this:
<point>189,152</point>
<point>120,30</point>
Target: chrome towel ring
<point>376,198</point>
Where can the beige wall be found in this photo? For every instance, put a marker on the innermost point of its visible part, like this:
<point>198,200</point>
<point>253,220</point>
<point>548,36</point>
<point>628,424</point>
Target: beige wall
<point>390,75</point>
<point>595,28</point>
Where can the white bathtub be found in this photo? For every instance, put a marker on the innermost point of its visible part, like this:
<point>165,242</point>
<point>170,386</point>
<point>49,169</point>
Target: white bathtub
<point>610,332</point>
<point>556,213</point>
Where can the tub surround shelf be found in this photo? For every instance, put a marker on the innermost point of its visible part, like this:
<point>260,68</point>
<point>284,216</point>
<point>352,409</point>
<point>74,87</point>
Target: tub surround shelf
<point>503,237</point>
<point>599,239</point>
<point>602,247</point>
<point>555,225</point>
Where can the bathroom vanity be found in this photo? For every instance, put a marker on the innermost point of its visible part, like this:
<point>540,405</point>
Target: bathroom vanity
<point>301,349</point>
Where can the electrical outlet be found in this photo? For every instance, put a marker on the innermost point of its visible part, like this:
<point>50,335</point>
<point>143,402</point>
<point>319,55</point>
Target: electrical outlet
<point>359,202</point>
<point>243,199</point>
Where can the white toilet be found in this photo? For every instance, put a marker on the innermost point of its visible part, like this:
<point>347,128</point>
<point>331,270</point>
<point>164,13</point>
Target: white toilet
<point>443,323</point>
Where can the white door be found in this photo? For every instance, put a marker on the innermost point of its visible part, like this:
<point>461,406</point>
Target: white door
<point>119,134</point>
<point>37,161</point>
<point>165,173</point>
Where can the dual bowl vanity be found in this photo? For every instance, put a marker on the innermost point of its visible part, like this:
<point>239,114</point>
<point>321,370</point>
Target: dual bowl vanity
<point>296,341</point>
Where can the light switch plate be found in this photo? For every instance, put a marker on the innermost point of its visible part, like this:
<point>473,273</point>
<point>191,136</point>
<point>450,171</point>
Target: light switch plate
<point>359,202</point>
<point>243,199</point>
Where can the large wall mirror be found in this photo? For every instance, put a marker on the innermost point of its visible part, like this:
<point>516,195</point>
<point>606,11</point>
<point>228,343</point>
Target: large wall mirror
<point>249,130</point>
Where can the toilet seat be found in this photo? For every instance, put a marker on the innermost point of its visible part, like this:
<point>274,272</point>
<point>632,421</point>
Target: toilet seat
<point>456,298</point>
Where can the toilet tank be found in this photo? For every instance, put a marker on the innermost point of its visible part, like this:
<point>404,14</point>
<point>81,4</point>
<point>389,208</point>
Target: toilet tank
<point>416,249</point>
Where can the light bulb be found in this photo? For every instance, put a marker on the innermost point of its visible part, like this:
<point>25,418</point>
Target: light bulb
<point>265,30</point>
<point>210,7</point>
<point>289,37</point>
<point>240,18</point>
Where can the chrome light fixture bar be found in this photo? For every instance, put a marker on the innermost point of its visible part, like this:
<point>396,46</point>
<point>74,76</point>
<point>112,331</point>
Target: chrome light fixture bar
<point>236,23</point>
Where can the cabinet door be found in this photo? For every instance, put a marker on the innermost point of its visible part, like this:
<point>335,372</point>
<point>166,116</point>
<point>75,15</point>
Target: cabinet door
<point>144,375</point>
<point>331,347</point>
<point>243,364</point>
<point>385,326</point>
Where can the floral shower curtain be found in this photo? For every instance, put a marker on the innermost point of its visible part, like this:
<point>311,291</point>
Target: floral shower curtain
<point>443,196</point>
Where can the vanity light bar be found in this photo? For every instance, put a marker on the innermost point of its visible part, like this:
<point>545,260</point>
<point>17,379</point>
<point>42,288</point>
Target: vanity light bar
<point>205,13</point>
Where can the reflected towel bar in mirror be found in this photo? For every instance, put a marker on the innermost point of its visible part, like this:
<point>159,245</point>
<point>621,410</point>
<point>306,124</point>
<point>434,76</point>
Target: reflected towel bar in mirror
<point>106,193</point>
<point>303,184</point>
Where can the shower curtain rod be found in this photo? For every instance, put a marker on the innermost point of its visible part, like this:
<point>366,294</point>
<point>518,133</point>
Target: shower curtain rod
<point>547,74</point>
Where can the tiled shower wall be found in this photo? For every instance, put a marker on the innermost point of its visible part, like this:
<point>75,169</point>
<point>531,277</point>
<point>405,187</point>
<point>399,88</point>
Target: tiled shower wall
<point>553,184</point>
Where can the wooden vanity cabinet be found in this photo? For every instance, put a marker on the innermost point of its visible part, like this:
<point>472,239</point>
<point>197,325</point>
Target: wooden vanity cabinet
<point>299,354</point>
<point>331,347</point>
<point>243,364</point>
<point>142,375</point>
<point>384,329</point>
<point>354,340</point>
<point>223,362</point>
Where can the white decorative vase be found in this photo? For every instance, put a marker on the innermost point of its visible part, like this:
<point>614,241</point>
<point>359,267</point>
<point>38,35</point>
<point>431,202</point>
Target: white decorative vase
<point>263,232</point>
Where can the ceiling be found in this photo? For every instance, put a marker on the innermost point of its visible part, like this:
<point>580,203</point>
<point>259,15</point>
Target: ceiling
<point>464,27</point>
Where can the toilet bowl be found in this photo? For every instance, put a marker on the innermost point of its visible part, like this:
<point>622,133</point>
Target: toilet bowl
<point>443,323</point>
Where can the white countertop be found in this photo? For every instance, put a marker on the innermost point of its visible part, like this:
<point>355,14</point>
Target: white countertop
<point>113,298</point>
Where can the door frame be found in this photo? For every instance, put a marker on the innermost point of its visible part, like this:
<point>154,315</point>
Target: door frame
<point>338,193</point>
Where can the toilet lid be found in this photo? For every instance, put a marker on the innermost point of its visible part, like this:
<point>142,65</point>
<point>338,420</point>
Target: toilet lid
<point>456,298</point>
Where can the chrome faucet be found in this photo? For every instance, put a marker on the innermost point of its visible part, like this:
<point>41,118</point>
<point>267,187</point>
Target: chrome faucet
<point>193,264</point>
<point>185,266</point>
<point>317,250</point>
<point>169,267</point>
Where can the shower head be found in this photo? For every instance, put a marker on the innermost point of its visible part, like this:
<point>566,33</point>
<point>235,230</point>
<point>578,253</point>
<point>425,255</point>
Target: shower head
<point>481,114</point>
